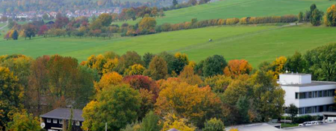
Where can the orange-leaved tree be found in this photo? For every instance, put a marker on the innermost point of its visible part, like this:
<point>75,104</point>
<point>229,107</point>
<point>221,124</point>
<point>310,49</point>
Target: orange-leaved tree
<point>237,67</point>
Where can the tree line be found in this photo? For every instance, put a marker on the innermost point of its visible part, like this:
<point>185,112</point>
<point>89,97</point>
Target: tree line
<point>19,6</point>
<point>101,26</point>
<point>154,91</point>
<point>317,17</point>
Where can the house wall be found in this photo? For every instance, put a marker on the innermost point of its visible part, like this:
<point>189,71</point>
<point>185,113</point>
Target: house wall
<point>59,125</point>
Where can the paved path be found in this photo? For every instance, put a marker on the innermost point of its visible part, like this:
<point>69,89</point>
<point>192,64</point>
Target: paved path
<point>4,26</point>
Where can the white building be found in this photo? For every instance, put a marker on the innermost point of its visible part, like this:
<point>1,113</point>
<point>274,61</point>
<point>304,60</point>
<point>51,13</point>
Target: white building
<point>311,97</point>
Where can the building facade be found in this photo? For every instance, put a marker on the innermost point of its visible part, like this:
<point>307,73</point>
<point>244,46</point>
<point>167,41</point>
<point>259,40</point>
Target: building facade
<point>58,119</point>
<point>311,97</point>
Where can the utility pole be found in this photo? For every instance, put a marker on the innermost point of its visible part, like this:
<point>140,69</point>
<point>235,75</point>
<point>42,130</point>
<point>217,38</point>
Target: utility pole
<point>105,126</point>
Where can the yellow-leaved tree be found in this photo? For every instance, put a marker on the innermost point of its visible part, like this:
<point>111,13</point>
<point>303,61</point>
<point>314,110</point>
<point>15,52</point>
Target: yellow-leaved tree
<point>112,78</point>
<point>172,121</point>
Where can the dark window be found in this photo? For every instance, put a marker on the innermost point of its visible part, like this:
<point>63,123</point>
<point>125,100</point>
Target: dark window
<point>320,94</point>
<point>296,95</point>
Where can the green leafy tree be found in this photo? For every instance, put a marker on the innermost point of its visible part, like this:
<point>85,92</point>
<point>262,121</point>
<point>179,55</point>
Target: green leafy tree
<point>169,58</point>
<point>147,57</point>
<point>151,122</point>
<point>157,68</point>
<point>268,97</point>
<point>292,110</point>
<point>127,60</point>
<point>316,17</point>
<point>15,35</point>
<point>300,17</point>
<point>322,63</point>
<point>243,106</point>
<point>214,125</point>
<point>296,63</point>
<point>24,122</point>
<point>175,2</point>
<point>116,105</point>
<point>105,19</point>
<point>179,63</point>
<point>11,94</point>
<point>214,65</point>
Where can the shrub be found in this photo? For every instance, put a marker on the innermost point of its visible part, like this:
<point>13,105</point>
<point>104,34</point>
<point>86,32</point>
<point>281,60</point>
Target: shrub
<point>214,124</point>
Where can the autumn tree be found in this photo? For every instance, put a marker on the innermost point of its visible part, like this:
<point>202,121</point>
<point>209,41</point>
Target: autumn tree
<point>108,79</point>
<point>157,68</point>
<point>237,88</point>
<point>29,31</point>
<point>20,66</point>
<point>169,58</point>
<point>237,67</point>
<point>24,121</point>
<point>135,69</point>
<point>105,19</point>
<point>187,101</point>
<point>279,65</point>
<point>147,25</point>
<point>218,83</point>
<point>112,108</point>
<point>10,96</point>
<point>330,17</point>
<point>172,121</point>
<point>189,76</point>
<point>127,60</point>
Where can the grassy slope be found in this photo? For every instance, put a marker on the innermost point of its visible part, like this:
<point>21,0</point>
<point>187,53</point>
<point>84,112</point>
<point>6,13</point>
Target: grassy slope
<point>254,43</point>
<point>240,8</point>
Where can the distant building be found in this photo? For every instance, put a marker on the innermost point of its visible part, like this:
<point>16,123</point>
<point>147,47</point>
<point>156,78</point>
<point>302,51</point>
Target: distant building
<point>311,97</point>
<point>58,119</point>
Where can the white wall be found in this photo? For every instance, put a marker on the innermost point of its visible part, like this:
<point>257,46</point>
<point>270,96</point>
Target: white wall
<point>290,95</point>
<point>286,79</point>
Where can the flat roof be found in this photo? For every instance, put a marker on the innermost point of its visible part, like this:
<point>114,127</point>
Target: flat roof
<point>313,83</point>
<point>294,74</point>
<point>64,114</point>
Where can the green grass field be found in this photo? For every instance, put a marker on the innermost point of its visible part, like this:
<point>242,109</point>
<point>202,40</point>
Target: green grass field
<point>239,9</point>
<point>254,43</point>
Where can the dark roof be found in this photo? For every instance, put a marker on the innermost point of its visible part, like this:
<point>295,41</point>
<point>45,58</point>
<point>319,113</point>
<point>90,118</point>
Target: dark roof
<point>64,113</point>
<point>313,83</point>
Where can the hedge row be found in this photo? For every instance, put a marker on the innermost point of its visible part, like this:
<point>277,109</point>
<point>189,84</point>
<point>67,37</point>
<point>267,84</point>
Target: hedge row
<point>231,21</point>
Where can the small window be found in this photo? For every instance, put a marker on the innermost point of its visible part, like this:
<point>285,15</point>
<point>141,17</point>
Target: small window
<point>55,121</point>
<point>296,95</point>
<point>77,123</point>
<point>61,122</point>
<point>48,120</point>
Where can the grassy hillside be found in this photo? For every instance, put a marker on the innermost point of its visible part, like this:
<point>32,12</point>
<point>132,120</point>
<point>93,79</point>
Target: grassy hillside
<point>254,43</point>
<point>240,8</point>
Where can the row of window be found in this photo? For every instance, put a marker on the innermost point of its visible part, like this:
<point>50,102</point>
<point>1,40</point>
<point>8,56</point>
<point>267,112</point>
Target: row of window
<point>315,94</point>
<point>315,109</point>
<point>56,121</point>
